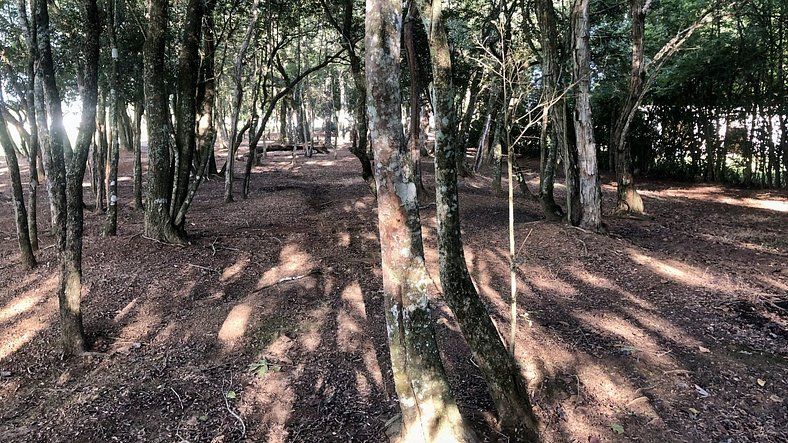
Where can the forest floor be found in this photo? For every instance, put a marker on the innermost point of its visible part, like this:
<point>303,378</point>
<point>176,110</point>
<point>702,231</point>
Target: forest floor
<point>269,326</point>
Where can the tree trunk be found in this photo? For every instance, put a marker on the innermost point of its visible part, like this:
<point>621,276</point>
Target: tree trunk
<point>504,380</point>
<point>465,124</point>
<point>111,224</point>
<point>237,97</point>
<point>158,224</point>
<point>628,198</point>
<point>590,216</point>
<point>185,140</point>
<point>17,196</point>
<point>555,108</point>
<point>100,155</point>
<point>30,107</point>
<point>414,130</point>
<point>429,412</point>
<point>139,108</point>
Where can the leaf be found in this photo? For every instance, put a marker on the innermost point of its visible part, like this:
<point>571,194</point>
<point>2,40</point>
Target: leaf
<point>617,428</point>
<point>231,395</point>
<point>694,411</point>
<point>702,392</point>
<point>260,368</point>
<point>761,382</point>
<point>703,350</point>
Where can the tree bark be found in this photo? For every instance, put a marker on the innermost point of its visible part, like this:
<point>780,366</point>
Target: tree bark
<point>33,151</point>
<point>507,387</point>
<point>590,210</point>
<point>28,259</point>
<point>186,139</point>
<point>555,108</point>
<point>429,412</point>
<point>237,96</point>
<point>628,198</point>
<point>158,224</point>
<point>100,155</point>
<point>139,108</point>
<point>111,224</point>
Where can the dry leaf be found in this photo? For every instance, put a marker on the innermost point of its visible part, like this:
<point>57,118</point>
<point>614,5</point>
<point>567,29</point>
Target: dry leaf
<point>761,382</point>
<point>703,350</point>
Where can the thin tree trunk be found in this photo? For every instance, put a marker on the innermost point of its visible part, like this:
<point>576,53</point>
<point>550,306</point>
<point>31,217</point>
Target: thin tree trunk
<point>28,259</point>
<point>555,106</point>
<point>465,124</point>
<point>237,97</point>
<point>100,155</point>
<point>139,108</point>
<point>504,380</point>
<point>186,141</point>
<point>30,107</point>
<point>111,224</point>
<point>414,130</point>
<point>429,412</point>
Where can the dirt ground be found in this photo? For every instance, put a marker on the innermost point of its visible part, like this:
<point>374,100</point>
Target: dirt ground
<point>269,325</point>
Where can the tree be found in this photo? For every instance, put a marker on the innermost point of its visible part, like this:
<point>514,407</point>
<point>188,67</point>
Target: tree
<point>429,412</point>
<point>67,170</point>
<point>17,193</point>
<point>590,210</point>
<point>506,384</point>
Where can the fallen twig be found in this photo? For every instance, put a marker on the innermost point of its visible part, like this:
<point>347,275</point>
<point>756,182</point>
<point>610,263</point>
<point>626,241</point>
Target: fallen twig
<point>237,417</point>
<point>289,279</point>
<point>201,267</point>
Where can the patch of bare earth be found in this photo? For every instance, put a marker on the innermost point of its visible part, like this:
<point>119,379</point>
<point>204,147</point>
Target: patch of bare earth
<point>672,329</point>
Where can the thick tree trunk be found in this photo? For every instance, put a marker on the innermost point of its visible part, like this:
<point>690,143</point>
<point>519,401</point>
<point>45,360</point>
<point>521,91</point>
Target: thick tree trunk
<point>628,198</point>
<point>111,224</point>
<point>429,412</point>
<point>28,259</point>
<point>504,380</point>
<point>158,224</point>
<point>590,216</point>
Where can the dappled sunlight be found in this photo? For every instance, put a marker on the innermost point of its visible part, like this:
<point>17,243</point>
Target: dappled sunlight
<point>685,274</point>
<point>598,281</point>
<point>663,328</point>
<point>125,311</point>
<point>547,280</point>
<point>293,261</point>
<point>343,239</point>
<point>144,323</point>
<point>22,303</point>
<point>233,272</point>
<point>269,401</point>
<point>636,341</point>
<point>20,332</point>
<point>310,338</point>
<point>234,325</point>
<point>716,194</point>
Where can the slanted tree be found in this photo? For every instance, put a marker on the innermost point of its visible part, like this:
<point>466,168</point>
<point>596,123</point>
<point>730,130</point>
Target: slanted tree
<point>507,386</point>
<point>429,412</point>
<point>28,259</point>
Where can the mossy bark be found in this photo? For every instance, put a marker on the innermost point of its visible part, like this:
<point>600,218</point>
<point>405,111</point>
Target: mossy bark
<point>429,412</point>
<point>504,380</point>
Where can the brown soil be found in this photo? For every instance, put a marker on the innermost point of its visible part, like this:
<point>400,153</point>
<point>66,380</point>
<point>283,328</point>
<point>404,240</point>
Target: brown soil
<point>671,329</point>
